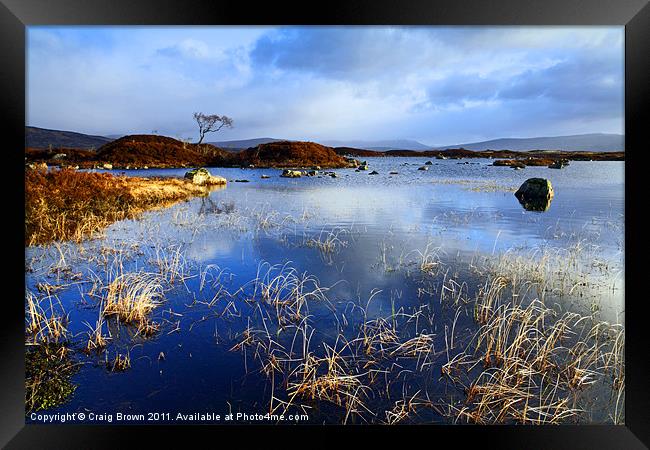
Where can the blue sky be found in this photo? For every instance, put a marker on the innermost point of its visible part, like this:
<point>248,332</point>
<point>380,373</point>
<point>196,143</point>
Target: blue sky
<point>438,85</point>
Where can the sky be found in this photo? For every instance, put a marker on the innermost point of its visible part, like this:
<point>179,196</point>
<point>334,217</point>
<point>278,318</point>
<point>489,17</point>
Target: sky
<point>436,85</point>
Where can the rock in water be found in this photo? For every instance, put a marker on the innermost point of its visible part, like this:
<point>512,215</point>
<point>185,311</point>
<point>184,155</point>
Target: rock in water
<point>203,177</point>
<point>423,168</point>
<point>374,172</point>
<point>559,164</point>
<point>515,164</point>
<point>287,173</point>
<point>535,194</point>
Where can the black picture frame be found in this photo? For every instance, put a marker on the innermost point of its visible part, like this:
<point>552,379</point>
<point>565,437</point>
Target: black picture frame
<point>15,15</point>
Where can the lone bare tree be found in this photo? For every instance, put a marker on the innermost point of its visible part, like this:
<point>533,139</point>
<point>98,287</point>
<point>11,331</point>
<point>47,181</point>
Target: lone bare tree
<point>210,123</point>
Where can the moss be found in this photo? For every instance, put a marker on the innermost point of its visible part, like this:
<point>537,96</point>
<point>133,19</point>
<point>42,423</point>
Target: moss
<point>48,373</point>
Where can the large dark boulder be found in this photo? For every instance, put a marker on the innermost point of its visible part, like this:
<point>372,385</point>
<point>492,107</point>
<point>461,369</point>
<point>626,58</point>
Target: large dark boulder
<point>535,194</point>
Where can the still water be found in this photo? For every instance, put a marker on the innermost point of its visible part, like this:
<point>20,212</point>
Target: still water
<point>358,244</point>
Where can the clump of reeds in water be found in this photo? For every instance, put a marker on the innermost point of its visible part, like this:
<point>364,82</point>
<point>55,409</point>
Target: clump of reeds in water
<point>328,242</point>
<point>120,363</point>
<point>528,364</point>
<point>523,362</point>
<point>286,291</point>
<point>429,259</point>
<point>330,378</point>
<point>97,341</point>
<point>132,296</point>
<point>171,263</point>
<point>560,271</point>
<point>45,320</point>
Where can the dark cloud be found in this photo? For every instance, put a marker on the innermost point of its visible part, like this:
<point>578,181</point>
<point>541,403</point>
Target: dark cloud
<point>576,80</point>
<point>349,53</point>
<point>461,88</point>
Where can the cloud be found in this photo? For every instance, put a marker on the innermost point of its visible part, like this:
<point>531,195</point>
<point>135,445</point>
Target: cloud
<point>438,85</point>
<point>351,52</point>
<point>577,80</point>
<point>187,48</point>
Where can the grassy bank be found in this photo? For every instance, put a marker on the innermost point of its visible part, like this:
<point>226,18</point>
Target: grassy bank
<point>70,205</point>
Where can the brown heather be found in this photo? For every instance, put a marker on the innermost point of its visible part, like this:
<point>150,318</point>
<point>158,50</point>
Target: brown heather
<point>70,205</point>
<point>290,154</point>
<point>137,151</point>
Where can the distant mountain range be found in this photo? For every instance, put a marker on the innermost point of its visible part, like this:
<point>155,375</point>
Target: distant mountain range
<point>599,142</point>
<point>44,138</point>
<point>244,143</point>
<point>394,144</point>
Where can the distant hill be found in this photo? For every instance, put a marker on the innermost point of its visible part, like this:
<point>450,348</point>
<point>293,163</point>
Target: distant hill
<point>290,154</point>
<point>43,138</point>
<point>159,151</point>
<point>141,150</point>
<point>244,143</point>
<point>403,144</point>
<point>393,144</point>
<point>596,142</point>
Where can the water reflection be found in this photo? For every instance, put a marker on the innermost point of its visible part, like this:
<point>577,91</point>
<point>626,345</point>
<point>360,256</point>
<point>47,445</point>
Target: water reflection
<point>391,255</point>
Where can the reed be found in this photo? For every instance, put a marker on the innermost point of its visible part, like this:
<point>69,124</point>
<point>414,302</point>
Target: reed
<point>534,363</point>
<point>97,341</point>
<point>132,296</point>
<point>120,363</point>
<point>430,260</point>
<point>328,242</point>
<point>45,320</point>
<point>328,378</point>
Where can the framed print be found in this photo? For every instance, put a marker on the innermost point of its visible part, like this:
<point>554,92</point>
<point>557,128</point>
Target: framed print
<point>419,218</point>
